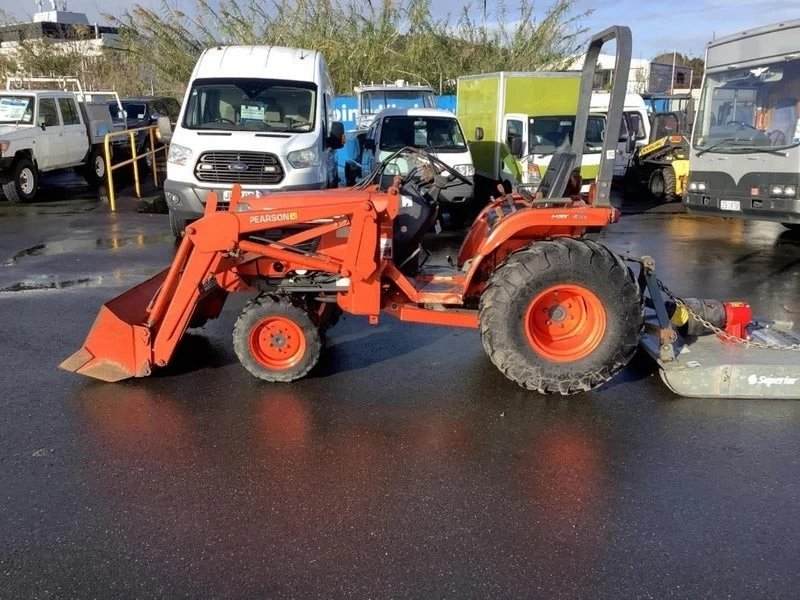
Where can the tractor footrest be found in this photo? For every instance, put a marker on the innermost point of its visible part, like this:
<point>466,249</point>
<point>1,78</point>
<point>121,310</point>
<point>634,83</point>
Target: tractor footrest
<point>440,285</point>
<point>708,367</point>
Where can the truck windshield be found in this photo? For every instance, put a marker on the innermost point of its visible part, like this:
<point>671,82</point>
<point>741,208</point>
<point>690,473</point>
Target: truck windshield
<point>374,102</point>
<point>16,109</point>
<point>750,110</point>
<point>441,134</point>
<point>251,105</point>
<point>546,134</point>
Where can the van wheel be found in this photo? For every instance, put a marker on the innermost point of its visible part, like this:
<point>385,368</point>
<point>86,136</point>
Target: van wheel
<point>176,225</point>
<point>24,183</point>
<point>95,170</point>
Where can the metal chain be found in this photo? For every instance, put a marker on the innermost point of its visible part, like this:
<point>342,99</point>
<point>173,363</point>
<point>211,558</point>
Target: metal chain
<point>721,332</point>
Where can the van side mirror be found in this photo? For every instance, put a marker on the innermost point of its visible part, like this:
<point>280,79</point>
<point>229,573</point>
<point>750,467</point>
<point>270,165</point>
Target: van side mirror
<point>164,131</point>
<point>369,144</point>
<point>631,144</point>
<point>42,123</point>
<point>478,134</point>
<point>516,146</point>
<point>336,138</point>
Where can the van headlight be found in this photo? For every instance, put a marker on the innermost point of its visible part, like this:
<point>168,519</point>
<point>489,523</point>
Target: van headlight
<point>465,170</point>
<point>303,159</point>
<point>179,155</point>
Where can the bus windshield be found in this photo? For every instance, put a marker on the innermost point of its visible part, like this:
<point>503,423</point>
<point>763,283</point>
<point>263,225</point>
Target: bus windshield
<point>750,110</point>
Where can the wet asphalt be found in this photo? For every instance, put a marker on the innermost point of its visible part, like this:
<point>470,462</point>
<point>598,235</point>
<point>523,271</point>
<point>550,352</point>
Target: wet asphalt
<point>405,466</point>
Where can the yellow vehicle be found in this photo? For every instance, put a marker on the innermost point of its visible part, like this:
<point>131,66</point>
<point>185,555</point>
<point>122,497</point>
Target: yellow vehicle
<point>661,168</point>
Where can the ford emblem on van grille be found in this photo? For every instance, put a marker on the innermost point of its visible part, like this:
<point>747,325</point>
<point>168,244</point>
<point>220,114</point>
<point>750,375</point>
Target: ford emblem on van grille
<point>250,168</point>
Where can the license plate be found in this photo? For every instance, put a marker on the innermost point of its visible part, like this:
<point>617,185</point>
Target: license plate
<point>730,205</point>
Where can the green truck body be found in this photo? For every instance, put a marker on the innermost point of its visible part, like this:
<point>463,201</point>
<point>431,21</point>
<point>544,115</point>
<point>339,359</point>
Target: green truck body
<point>496,103</point>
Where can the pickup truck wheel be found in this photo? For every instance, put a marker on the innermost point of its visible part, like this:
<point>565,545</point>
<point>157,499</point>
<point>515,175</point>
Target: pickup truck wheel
<point>24,183</point>
<point>95,172</point>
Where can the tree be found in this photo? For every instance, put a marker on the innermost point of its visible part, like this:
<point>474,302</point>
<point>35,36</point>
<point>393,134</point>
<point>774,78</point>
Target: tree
<point>362,40</point>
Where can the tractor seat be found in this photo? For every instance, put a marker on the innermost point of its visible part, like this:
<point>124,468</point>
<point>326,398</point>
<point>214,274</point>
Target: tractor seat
<point>414,219</point>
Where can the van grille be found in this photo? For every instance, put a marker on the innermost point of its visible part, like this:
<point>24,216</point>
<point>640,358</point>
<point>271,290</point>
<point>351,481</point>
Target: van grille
<point>239,167</point>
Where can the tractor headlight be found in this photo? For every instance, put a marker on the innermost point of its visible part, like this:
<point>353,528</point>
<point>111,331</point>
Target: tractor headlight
<point>303,159</point>
<point>179,155</point>
<point>4,146</point>
<point>789,191</point>
<point>783,191</point>
<point>465,170</point>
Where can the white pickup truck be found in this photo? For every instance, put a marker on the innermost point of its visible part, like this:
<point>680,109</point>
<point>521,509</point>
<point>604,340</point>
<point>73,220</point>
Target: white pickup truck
<point>46,130</point>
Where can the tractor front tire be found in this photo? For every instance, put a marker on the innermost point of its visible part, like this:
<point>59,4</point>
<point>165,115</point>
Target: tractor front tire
<point>276,340</point>
<point>561,316</point>
<point>663,185</point>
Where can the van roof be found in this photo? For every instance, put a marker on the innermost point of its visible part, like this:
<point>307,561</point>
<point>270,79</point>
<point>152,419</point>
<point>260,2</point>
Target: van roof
<point>415,112</point>
<point>600,99</point>
<point>273,62</point>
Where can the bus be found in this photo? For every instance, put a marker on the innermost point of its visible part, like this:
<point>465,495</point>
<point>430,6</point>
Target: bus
<point>745,145</point>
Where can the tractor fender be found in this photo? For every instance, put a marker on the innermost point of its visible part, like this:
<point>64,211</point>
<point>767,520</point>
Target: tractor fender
<point>531,224</point>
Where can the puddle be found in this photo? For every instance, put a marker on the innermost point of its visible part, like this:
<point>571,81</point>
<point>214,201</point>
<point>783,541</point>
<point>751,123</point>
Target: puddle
<point>89,244</point>
<point>49,282</point>
<point>28,286</point>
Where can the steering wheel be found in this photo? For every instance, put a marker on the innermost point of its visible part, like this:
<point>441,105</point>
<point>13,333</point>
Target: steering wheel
<point>777,137</point>
<point>742,125</point>
<point>223,120</point>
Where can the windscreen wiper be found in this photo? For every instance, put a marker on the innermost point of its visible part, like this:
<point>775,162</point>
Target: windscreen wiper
<point>722,142</point>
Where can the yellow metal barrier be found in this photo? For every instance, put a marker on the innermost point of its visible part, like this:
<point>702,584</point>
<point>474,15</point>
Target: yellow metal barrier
<point>134,159</point>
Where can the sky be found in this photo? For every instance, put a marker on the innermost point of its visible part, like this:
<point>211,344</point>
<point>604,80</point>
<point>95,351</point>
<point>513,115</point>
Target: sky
<point>657,27</point>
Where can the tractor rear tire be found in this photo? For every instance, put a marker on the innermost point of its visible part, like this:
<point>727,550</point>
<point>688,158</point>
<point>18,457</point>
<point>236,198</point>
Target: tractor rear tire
<point>663,185</point>
<point>276,340</point>
<point>561,316</point>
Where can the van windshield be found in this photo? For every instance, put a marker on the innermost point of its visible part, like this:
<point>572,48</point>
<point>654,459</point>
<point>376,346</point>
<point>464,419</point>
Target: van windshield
<point>251,105</point>
<point>546,134</point>
<point>440,134</point>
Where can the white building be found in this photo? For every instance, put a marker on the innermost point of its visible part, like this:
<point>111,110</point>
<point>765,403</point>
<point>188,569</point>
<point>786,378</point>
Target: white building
<point>60,26</point>
<point>638,76</point>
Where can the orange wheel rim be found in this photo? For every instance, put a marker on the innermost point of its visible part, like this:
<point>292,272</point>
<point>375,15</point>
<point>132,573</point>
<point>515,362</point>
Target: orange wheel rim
<point>277,343</point>
<point>565,323</point>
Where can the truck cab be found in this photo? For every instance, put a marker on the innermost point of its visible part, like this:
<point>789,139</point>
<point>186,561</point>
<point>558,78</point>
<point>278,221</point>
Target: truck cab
<point>259,116</point>
<point>373,98</point>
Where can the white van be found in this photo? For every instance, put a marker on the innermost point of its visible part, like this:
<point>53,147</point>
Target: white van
<point>635,124</point>
<point>260,116</point>
<point>435,130</point>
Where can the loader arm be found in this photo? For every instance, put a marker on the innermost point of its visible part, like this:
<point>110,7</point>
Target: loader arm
<point>220,253</point>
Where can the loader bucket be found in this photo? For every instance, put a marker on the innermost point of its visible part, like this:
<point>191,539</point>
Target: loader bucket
<point>119,345</point>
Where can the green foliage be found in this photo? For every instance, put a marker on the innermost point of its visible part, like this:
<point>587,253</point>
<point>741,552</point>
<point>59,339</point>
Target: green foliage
<point>363,40</point>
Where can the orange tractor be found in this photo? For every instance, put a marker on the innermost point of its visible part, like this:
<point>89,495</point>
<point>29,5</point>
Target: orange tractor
<point>556,311</point>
